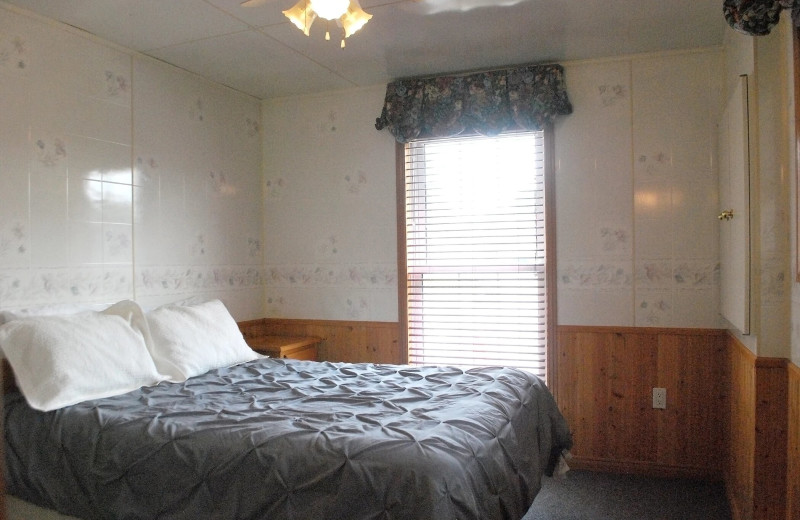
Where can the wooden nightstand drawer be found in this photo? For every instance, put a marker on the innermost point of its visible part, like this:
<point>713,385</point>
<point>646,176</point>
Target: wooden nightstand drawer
<point>292,347</point>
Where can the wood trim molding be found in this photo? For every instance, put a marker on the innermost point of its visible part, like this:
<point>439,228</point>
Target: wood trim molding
<point>402,266</point>
<point>551,271</point>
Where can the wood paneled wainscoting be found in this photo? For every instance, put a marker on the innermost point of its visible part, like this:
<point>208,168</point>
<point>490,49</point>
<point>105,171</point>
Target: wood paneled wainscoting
<point>741,428</point>
<point>730,415</point>
<point>346,341</point>
<point>762,436</point>
<point>605,378</point>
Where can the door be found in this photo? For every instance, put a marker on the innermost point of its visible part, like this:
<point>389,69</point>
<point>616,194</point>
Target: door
<point>734,211</point>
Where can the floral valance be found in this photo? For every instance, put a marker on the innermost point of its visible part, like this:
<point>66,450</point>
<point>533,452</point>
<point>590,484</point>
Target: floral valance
<point>488,103</point>
<point>758,17</point>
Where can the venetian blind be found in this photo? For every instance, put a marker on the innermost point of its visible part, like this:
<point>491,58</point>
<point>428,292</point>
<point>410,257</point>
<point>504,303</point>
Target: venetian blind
<point>475,251</point>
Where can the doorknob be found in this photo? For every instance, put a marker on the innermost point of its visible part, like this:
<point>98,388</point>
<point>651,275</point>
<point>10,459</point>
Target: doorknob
<point>726,215</point>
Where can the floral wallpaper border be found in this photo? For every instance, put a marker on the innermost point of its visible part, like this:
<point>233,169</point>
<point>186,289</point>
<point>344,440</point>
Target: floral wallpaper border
<point>593,275</point>
<point>23,287</point>
<point>161,280</point>
<point>339,275</point>
<point>20,287</point>
<point>668,273</point>
<point>649,274</point>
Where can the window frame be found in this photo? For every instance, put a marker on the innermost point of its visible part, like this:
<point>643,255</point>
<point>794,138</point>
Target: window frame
<point>550,255</point>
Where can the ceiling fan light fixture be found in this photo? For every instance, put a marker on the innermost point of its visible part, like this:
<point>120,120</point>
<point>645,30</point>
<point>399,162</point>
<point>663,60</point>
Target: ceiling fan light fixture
<point>347,14</point>
<point>354,19</point>
<point>329,9</point>
<point>301,15</point>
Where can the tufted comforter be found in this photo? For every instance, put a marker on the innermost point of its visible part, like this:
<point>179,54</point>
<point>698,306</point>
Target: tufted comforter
<point>281,439</point>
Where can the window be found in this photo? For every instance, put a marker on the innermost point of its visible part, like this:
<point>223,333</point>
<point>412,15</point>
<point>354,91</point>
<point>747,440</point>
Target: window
<point>474,271</point>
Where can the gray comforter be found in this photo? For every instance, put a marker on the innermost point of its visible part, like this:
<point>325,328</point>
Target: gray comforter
<point>282,439</point>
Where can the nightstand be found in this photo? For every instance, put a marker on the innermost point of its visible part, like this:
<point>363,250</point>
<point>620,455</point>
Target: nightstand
<point>292,347</point>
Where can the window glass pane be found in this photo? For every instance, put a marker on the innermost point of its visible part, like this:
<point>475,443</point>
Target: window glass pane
<point>475,251</point>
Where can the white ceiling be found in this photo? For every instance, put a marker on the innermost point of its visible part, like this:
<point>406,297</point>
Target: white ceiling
<point>258,51</point>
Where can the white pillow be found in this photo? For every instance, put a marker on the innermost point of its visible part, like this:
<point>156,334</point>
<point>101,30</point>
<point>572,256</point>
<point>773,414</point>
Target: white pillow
<point>63,360</point>
<point>189,340</point>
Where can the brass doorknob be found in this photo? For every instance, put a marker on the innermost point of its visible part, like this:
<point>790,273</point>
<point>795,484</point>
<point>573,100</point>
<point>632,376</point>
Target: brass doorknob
<point>726,215</point>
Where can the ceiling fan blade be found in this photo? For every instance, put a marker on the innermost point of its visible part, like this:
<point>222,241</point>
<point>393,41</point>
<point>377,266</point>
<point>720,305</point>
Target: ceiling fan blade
<point>253,3</point>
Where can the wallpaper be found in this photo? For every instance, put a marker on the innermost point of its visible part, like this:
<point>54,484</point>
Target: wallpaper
<point>330,220</point>
<point>110,191</point>
<point>636,192</point>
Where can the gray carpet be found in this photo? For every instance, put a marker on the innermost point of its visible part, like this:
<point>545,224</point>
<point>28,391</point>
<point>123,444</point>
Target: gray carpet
<point>586,495</point>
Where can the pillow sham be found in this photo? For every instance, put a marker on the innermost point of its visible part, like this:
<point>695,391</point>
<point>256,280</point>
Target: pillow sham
<point>63,360</point>
<point>189,340</point>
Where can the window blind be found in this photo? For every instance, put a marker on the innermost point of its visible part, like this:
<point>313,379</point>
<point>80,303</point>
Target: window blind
<point>475,251</point>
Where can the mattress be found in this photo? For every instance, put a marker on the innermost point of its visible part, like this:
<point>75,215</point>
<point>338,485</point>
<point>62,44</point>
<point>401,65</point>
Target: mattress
<point>285,439</point>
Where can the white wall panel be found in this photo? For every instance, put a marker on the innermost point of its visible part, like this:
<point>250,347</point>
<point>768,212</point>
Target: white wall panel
<point>110,192</point>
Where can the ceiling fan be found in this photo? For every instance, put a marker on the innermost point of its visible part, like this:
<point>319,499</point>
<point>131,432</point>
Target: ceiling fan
<point>347,14</point>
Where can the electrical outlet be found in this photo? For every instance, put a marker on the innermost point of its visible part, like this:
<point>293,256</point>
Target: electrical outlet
<point>660,398</point>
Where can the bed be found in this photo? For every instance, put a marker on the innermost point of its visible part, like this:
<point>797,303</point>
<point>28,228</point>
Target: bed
<point>286,439</point>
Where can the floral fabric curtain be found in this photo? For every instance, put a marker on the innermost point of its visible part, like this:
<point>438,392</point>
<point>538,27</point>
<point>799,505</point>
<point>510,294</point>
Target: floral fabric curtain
<point>488,103</point>
<point>758,17</point>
